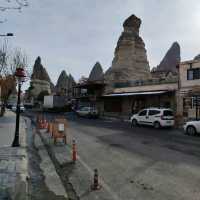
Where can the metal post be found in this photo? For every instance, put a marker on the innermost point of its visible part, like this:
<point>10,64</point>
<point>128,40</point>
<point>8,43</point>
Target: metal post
<point>196,107</point>
<point>16,139</point>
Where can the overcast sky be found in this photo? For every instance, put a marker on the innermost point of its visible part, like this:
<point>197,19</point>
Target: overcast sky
<point>72,35</point>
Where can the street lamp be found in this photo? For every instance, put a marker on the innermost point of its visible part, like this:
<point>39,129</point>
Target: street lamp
<point>20,77</point>
<point>7,35</point>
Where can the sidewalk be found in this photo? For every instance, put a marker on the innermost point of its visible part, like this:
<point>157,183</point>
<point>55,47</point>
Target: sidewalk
<point>79,176</point>
<point>13,161</point>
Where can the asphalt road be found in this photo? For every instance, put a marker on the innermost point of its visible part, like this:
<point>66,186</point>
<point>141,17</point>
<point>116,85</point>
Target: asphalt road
<point>139,163</point>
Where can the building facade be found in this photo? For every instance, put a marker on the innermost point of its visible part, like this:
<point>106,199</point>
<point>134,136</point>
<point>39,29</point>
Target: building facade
<point>188,98</point>
<point>131,97</point>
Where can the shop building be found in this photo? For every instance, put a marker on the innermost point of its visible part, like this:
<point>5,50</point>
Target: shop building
<point>188,98</point>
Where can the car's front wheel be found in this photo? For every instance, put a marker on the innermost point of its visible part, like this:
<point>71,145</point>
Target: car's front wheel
<point>191,130</point>
<point>134,123</point>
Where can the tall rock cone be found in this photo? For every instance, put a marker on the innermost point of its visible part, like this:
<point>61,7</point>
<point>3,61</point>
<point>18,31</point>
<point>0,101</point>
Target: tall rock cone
<point>62,82</point>
<point>171,59</point>
<point>40,80</point>
<point>39,72</point>
<point>96,73</point>
<point>130,59</point>
<point>72,82</point>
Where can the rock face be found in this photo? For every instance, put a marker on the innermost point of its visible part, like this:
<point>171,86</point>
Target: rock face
<point>171,59</point>
<point>39,72</point>
<point>40,80</point>
<point>62,83</point>
<point>96,73</point>
<point>72,82</point>
<point>197,57</point>
<point>130,59</point>
<point>65,83</point>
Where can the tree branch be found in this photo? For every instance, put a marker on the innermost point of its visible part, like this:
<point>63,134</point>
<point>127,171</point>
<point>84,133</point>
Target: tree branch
<point>14,5</point>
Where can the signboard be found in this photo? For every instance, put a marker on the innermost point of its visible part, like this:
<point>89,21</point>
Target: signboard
<point>61,127</point>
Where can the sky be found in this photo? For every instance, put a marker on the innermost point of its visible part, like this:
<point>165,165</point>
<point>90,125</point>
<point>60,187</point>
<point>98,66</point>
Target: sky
<point>73,35</point>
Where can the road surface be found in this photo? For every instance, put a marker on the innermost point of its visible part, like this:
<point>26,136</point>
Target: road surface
<point>139,163</point>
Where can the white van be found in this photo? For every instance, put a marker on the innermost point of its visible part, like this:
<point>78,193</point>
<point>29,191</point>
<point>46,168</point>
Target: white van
<point>157,117</point>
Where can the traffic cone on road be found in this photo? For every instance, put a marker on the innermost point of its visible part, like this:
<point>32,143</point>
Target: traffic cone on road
<point>96,185</point>
<point>74,151</point>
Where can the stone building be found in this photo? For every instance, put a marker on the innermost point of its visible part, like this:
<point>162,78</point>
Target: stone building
<point>188,97</point>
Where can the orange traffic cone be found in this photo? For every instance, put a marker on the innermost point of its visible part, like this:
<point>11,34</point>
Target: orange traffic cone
<point>74,151</point>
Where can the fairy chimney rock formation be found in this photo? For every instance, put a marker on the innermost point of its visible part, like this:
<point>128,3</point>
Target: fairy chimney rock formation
<point>65,83</point>
<point>72,82</point>
<point>39,72</point>
<point>171,59</point>
<point>96,73</point>
<point>40,80</point>
<point>197,57</point>
<point>130,60</point>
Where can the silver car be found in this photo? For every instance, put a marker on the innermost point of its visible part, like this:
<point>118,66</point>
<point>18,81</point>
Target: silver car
<point>87,112</point>
<point>14,108</point>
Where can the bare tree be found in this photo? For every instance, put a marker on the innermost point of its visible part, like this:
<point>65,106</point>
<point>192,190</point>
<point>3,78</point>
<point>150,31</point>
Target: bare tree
<point>6,5</point>
<point>13,5</point>
<point>9,61</point>
<point>4,56</point>
<point>17,59</point>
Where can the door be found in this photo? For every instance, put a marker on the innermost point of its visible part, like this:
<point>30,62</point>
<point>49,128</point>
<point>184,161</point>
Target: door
<point>142,117</point>
<point>152,116</point>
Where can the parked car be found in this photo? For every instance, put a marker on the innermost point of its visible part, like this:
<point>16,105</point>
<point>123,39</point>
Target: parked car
<point>14,108</point>
<point>192,127</point>
<point>87,112</point>
<point>157,117</point>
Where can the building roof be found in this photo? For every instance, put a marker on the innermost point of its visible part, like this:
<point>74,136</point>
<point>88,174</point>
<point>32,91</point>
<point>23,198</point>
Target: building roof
<point>136,93</point>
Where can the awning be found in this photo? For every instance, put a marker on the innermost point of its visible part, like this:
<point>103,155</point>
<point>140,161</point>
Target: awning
<point>135,93</point>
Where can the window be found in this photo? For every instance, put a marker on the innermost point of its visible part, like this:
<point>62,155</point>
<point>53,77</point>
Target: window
<point>85,109</point>
<point>154,112</point>
<point>143,113</point>
<point>168,113</point>
<point>193,74</point>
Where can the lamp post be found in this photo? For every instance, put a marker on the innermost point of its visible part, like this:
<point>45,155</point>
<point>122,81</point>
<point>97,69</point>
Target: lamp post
<point>7,35</point>
<point>20,76</point>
